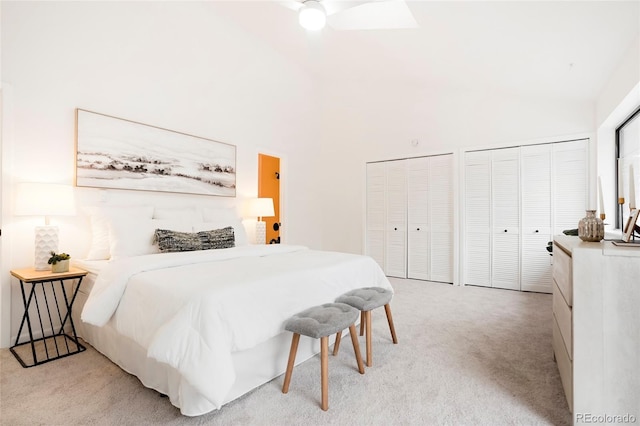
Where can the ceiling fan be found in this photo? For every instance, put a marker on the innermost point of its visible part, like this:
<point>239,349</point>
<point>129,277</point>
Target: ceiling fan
<point>353,14</point>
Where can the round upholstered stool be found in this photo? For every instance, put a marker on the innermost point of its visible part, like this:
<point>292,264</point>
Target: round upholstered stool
<point>320,322</point>
<point>365,300</point>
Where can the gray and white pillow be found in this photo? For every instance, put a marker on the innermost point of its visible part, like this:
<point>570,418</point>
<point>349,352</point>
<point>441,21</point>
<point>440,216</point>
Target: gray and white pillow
<point>173,241</point>
<point>217,238</point>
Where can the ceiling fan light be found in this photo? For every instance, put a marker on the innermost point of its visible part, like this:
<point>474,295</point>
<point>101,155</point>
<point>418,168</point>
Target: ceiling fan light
<point>312,15</point>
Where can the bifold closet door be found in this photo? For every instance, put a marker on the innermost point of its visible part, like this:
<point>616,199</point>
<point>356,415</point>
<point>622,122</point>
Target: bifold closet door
<point>418,195</point>
<point>430,218</point>
<point>477,183</point>
<point>535,166</point>
<point>569,184</point>
<point>441,218</point>
<point>376,212</point>
<point>396,219</point>
<point>505,208</point>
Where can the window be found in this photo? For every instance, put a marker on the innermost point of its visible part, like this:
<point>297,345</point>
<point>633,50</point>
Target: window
<point>628,154</point>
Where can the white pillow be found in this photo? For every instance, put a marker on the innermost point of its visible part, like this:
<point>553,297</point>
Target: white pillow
<point>219,214</point>
<point>189,214</point>
<point>100,217</point>
<point>222,217</point>
<point>134,237</point>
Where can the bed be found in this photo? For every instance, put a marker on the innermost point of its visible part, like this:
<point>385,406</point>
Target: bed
<point>204,327</point>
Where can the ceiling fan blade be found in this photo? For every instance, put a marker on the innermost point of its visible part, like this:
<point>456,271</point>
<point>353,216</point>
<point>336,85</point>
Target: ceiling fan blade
<point>334,6</point>
<point>388,14</point>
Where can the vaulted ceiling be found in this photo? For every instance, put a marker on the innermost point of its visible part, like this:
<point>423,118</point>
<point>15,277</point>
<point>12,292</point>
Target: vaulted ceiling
<point>552,49</point>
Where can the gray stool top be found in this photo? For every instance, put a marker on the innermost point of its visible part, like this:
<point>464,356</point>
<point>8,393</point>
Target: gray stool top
<point>323,320</point>
<point>367,298</point>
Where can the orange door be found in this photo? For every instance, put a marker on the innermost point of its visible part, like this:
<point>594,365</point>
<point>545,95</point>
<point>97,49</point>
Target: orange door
<point>269,187</point>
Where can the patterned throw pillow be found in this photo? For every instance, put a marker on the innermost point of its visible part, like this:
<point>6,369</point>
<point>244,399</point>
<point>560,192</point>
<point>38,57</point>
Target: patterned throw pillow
<point>217,238</point>
<point>172,241</point>
<point>169,241</point>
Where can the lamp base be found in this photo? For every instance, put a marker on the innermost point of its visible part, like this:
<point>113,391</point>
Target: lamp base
<point>46,242</point>
<point>261,232</point>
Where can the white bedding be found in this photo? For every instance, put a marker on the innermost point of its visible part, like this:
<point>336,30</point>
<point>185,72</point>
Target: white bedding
<point>193,310</point>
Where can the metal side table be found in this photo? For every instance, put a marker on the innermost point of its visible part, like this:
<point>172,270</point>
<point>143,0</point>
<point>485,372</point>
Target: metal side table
<point>53,305</point>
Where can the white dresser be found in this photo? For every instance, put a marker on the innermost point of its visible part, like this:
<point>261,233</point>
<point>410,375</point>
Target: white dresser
<point>596,327</point>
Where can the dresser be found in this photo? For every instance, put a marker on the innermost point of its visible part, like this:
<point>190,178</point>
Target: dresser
<point>596,327</point>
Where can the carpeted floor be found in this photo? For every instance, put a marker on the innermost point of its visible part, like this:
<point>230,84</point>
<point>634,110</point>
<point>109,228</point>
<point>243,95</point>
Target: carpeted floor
<point>466,356</point>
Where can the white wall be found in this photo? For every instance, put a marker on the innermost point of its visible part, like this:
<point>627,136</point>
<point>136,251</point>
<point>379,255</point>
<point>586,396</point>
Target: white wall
<point>379,121</point>
<point>170,64</point>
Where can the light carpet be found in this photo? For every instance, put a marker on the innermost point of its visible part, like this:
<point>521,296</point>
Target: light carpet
<point>466,356</point>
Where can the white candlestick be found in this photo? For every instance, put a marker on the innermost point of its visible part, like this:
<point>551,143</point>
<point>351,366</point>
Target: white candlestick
<point>632,189</point>
<point>620,191</point>
<point>600,198</point>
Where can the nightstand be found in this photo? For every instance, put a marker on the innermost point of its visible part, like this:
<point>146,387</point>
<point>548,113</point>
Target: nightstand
<point>53,302</point>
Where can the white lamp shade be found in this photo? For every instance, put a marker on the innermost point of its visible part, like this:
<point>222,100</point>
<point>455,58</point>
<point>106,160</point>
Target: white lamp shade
<point>261,207</point>
<point>312,15</point>
<point>44,199</point>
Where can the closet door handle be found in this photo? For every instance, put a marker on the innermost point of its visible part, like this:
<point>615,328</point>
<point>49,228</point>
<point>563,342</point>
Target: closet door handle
<point>537,231</point>
<point>395,229</point>
<point>505,230</point>
<point>417,229</point>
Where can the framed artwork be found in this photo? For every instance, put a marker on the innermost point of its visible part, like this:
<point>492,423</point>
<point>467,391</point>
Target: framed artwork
<point>116,153</point>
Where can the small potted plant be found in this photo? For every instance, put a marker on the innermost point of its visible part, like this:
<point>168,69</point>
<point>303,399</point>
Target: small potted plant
<point>59,262</point>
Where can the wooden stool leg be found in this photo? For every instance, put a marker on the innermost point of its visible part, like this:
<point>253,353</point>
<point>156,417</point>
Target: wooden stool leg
<point>362,319</point>
<point>336,346</point>
<point>292,361</point>
<point>367,315</point>
<point>324,370</point>
<point>387,309</point>
<point>356,347</point>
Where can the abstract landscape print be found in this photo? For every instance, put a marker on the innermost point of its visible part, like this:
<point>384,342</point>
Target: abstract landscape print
<point>122,154</point>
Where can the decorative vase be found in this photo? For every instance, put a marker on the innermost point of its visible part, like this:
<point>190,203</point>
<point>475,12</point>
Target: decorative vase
<point>60,266</point>
<point>591,227</point>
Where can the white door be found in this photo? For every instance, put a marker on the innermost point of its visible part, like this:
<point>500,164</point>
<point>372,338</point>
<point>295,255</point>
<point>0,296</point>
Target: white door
<point>418,185</point>
<point>374,246</point>
<point>505,207</point>
<point>477,254</point>
<point>396,219</point>
<point>535,169</point>
<point>441,218</point>
<point>569,184</point>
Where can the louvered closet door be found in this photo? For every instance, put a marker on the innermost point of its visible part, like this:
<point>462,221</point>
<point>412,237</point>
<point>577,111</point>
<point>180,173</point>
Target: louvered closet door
<point>569,184</point>
<point>396,219</point>
<point>535,165</point>
<point>505,197</point>
<point>477,256</point>
<point>375,212</point>
<point>418,218</point>
<point>441,217</point>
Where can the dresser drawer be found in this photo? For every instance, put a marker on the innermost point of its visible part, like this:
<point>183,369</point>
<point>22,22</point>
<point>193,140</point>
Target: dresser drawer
<point>565,366</point>
<point>563,274</point>
<point>563,316</point>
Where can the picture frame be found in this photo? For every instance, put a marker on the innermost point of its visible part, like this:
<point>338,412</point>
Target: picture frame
<point>117,153</point>
<point>630,227</point>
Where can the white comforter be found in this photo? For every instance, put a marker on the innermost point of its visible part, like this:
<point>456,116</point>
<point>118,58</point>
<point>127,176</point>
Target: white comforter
<point>192,310</point>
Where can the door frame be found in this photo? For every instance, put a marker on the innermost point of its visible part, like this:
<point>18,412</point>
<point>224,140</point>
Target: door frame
<point>283,173</point>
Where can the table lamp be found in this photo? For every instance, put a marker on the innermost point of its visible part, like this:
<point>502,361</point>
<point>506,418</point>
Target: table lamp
<point>261,207</point>
<point>44,199</point>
